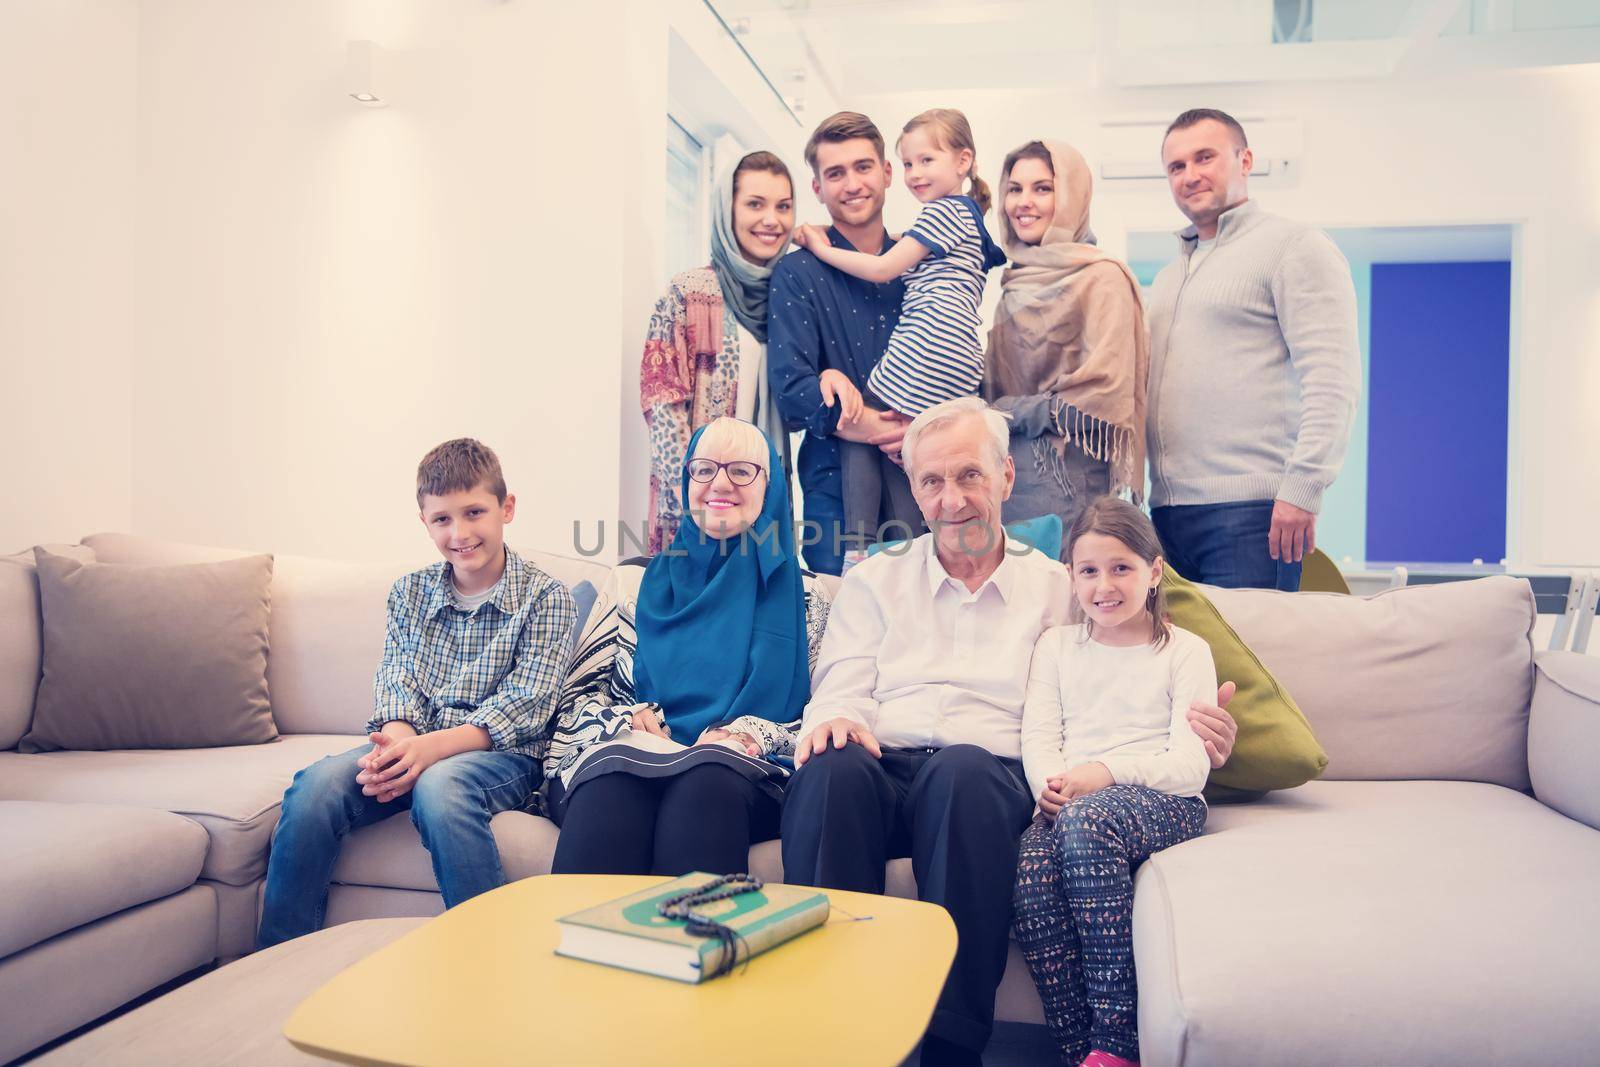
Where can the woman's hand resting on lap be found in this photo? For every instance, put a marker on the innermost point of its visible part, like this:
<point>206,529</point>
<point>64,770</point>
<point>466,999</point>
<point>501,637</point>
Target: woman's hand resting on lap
<point>717,733</point>
<point>644,720</point>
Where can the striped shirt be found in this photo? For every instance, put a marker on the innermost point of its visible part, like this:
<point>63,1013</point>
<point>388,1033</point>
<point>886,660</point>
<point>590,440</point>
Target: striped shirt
<point>498,666</point>
<point>934,354</point>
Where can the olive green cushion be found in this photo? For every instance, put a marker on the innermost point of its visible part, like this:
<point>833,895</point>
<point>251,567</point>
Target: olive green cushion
<point>1275,748</point>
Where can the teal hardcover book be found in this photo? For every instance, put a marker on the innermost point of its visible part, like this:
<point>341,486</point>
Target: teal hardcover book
<point>631,933</point>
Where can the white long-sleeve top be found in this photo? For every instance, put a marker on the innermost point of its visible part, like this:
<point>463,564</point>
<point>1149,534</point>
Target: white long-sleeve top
<point>1124,707</point>
<point>914,656</point>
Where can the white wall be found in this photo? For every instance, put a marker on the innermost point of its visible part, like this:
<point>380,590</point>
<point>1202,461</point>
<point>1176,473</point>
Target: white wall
<point>67,77</point>
<point>1503,146</point>
<point>241,306</point>
<point>327,290</point>
<point>685,63</point>
<point>244,305</point>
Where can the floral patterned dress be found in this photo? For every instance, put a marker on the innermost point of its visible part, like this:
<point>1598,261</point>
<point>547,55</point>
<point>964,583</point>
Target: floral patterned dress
<point>689,376</point>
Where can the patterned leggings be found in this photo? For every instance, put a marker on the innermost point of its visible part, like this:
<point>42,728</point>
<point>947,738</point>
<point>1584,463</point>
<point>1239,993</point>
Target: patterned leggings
<point>1074,909</point>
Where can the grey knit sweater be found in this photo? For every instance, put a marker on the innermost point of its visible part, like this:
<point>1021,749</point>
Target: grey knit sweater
<point>1255,365</point>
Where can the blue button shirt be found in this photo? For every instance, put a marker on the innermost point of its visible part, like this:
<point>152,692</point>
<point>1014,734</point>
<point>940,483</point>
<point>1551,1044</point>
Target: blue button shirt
<point>819,318</point>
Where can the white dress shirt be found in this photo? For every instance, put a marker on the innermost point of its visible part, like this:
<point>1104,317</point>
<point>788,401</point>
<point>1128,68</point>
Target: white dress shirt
<point>1125,707</point>
<point>916,658</point>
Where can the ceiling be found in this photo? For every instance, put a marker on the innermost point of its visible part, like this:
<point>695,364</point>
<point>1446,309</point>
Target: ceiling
<point>838,49</point>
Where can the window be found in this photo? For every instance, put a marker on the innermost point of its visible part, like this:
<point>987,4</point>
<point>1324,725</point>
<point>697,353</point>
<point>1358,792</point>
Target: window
<point>1431,434</point>
<point>686,237</point>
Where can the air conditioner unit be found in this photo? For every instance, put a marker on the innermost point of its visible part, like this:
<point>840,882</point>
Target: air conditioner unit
<point>1130,148</point>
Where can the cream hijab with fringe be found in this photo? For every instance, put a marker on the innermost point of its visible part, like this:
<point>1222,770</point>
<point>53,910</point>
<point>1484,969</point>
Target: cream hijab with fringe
<point>1070,322</point>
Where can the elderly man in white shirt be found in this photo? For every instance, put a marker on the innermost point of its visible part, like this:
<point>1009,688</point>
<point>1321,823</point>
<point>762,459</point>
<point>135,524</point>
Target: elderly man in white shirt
<point>911,743</point>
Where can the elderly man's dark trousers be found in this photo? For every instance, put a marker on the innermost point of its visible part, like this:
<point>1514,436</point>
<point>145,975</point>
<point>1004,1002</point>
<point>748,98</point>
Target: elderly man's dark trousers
<point>958,812</point>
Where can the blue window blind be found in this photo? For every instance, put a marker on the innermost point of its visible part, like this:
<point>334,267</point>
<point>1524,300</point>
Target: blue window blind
<point>1440,371</point>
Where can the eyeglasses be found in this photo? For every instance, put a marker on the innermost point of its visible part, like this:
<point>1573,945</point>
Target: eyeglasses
<point>740,473</point>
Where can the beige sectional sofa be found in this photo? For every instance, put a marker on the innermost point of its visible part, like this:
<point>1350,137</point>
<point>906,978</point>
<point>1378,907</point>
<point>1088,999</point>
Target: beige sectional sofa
<point>85,927</point>
<point>1432,900</point>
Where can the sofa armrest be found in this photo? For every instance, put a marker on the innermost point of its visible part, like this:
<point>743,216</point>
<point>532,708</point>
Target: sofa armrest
<point>1564,734</point>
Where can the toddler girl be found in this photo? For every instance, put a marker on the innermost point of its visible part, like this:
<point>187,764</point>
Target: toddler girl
<point>934,353</point>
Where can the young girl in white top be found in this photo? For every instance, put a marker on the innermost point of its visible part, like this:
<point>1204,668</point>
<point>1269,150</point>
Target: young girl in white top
<point>1109,752</point>
<point>933,354</point>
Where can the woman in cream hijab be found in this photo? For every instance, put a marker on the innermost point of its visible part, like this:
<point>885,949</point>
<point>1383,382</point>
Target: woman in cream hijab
<point>1068,356</point>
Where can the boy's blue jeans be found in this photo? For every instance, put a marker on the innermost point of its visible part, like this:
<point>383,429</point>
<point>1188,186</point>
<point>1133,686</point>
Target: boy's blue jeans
<point>451,805</point>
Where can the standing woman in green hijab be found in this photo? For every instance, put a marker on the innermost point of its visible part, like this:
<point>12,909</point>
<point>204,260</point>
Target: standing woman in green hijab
<point>705,354</point>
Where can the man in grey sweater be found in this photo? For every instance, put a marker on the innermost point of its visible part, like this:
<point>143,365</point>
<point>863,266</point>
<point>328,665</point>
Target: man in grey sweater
<point>1254,370</point>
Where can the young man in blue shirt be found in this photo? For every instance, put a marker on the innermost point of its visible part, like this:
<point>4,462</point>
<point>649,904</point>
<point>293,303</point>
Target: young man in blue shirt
<point>820,318</point>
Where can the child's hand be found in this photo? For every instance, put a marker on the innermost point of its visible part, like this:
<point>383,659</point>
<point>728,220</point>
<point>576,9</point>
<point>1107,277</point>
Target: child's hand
<point>1084,779</point>
<point>392,731</point>
<point>395,769</point>
<point>834,384</point>
<point>1052,800</point>
<point>380,741</point>
<point>810,237</point>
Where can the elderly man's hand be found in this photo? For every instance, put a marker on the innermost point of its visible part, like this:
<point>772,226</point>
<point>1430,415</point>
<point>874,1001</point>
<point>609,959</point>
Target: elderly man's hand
<point>1215,726</point>
<point>835,733</point>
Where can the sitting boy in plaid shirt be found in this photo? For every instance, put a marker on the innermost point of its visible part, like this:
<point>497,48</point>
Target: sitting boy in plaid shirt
<point>473,662</point>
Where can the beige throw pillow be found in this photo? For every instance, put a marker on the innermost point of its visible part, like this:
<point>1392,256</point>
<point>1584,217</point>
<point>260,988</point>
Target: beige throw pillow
<point>1425,682</point>
<point>21,638</point>
<point>142,656</point>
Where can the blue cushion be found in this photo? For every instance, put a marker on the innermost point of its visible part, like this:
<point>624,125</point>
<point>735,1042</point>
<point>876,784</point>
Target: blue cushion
<point>1042,534</point>
<point>584,594</point>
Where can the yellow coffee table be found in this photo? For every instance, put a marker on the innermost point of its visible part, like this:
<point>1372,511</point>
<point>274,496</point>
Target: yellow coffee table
<point>481,984</point>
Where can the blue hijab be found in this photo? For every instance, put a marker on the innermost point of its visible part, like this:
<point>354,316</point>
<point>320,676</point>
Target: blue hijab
<point>722,623</point>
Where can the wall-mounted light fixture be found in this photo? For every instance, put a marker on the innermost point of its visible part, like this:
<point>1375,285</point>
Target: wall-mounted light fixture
<point>363,61</point>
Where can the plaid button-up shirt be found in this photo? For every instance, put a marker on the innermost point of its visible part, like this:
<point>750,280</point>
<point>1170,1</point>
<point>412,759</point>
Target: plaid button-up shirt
<point>499,666</point>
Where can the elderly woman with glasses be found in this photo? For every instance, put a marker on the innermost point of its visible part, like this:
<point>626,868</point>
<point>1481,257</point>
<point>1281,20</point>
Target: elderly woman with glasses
<point>676,729</point>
